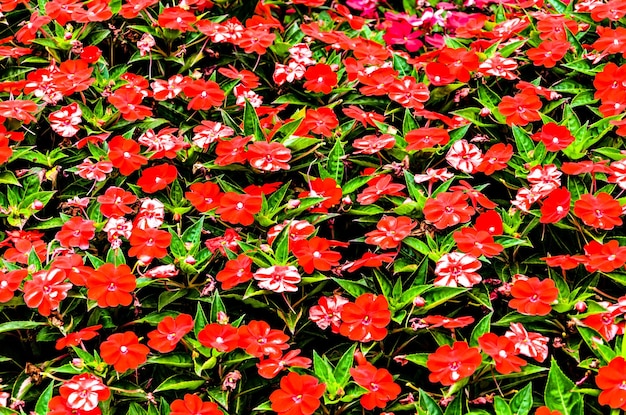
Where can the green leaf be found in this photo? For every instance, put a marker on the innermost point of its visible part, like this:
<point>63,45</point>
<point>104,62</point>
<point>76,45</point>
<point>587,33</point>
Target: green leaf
<point>456,406</point>
<point>200,320</point>
<point>524,143</point>
<point>353,288</point>
<point>324,372</point>
<point>483,326</point>
<point>408,123</point>
<point>42,403</point>
<point>417,358</point>
<point>179,382</point>
<point>251,124</point>
<point>8,177</point>
<point>173,360</point>
<point>355,184</point>
<point>342,370</point>
<point>522,401</point>
<point>429,404</point>
<point>501,407</point>
<point>19,325</point>
<point>334,165</point>
<point>167,297</point>
<point>418,245</point>
<point>136,409</point>
<point>559,394</point>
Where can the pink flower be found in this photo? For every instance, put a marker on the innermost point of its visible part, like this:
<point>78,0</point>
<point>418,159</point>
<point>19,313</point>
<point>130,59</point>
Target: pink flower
<point>456,269</point>
<point>528,344</point>
<point>327,312</point>
<point>64,121</point>
<point>278,278</point>
<point>464,156</point>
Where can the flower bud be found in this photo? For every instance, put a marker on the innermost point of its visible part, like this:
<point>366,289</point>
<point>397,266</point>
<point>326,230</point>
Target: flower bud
<point>484,112</point>
<point>293,203</point>
<point>580,306</point>
<point>36,205</point>
<point>419,302</point>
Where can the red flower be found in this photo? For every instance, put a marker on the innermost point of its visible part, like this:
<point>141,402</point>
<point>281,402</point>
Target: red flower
<point>521,108</point>
<point>611,40</point>
<point>231,151</point>
<point>169,331</point>
<point>447,322</point>
<point>365,118</point>
<point>490,221</point>
<point>278,278</point>
<point>326,188</point>
<point>315,254</point>
<point>611,379</point>
<point>451,364</point>
<point>235,272</point>
<point>255,40</point>
<point>222,337</point>
<point>426,138</point>
<point>10,282</point>
<point>149,243</point>
<point>379,384</point>
<point>258,339</point>
<point>124,154</point>
<point>271,367</point>
<point>476,243</point>
<point>533,297</point>
<point>298,395</point>
<point>319,121</point>
<point>366,319</point>
<point>544,410</point>
<point>123,351</point>
<point>76,338</point>
<point>91,54</point>
<point>204,196</point>
<point>77,232</point>
<point>390,231</point>
<point>115,201</point>
<point>372,143</point>
<point>556,206</point>
<point>448,209</point>
<point>19,110</point>
<point>496,158</point>
<point>59,406</point>
<point>268,156</point>
<point>604,257</point>
<point>502,351</point>
<point>460,62</point>
<point>239,209</point>
<point>600,212</point>
<point>604,323</point>
<point>111,285</point>
<point>193,405</point>
<point>555,137</point>
<point>371,260</point>
<point>157,177</point>
<point>439,74</point>
<point>176,18</point>
<point>205,94</point>
<point>548,53</point>
<point>128,103</point>
<point>46,290</point>
<point>320,78</point>
<point>408,92</point>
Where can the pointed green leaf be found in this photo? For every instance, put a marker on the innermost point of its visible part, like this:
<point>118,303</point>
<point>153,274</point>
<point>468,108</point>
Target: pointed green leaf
<point>559,393</point>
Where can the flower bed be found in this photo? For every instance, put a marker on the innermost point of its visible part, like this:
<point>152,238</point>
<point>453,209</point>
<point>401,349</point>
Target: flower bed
<point>298,207</point>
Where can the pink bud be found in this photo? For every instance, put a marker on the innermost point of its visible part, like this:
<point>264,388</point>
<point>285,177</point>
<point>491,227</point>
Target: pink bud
<point>293,203</point>
<point>36,205</point>
<point>484,112</point>
<point>581,306</point>
<point>419,302</point>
